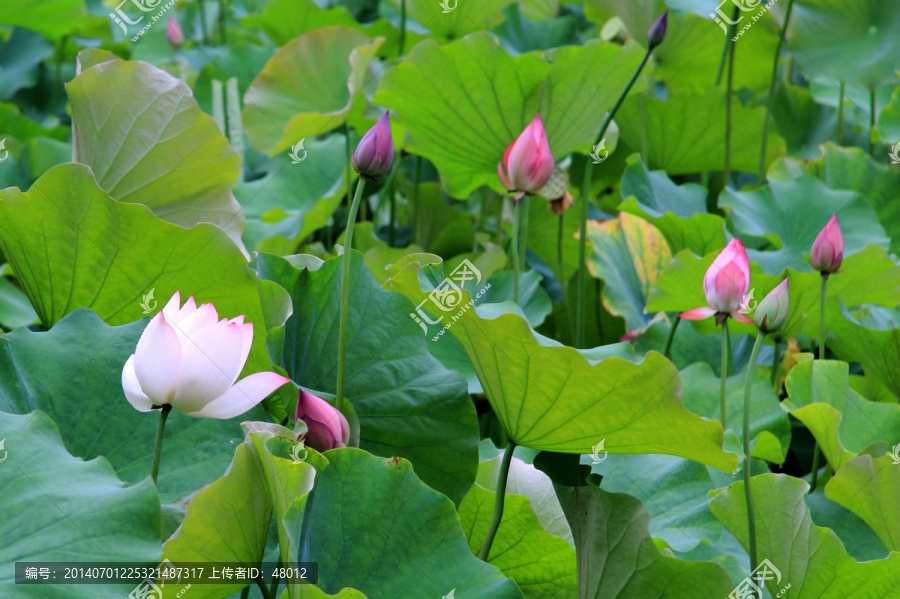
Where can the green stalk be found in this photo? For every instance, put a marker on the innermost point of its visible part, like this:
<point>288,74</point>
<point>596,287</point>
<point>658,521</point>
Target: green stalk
<point>498,502</point>
<point>748,389</point>
<point>402,25</point>
<point>726,351</point>
<point>414,201</point>
<point>202,5</point>
<point>345,294</point>
<point>223,36</point>
<point>525,205</point>
<point>761,174</point>
<point>667,350</point>
<point>559,254</point>
<point>775,365</point>
<point>815,465</point>
<point>273,588</point>
<point>262,588</point>
<point>840,117</point>
<point>392,233</point>
<point>246,592</point>
<point>729,93</point>
<point>871,122</point>
<point>157,447</point>
<point>514,247</point>
<point>585,197</point>
<point>727,47</point>
<point>349,151</point>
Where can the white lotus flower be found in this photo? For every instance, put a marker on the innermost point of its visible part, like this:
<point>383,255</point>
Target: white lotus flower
<point>190,359</point>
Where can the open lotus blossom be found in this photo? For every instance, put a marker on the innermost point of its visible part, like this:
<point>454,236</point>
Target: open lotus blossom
<point>828,248</point>
<point>189,359</point>
<point>375,153</point>
<point>326,427</point>
<point>725,284</point>
<point>527,164</point>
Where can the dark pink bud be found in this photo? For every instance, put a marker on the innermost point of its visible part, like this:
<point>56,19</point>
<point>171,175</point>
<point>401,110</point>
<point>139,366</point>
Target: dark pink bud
<point>375,152</point>
<point>174,33</point>
<point>657,32</point>
<point>326,427</point>
<point>828,248</point>
<point>527,164</point>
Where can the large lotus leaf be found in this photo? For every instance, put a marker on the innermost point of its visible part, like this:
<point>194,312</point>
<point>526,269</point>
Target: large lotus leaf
<point>59,508</point>
<point>294,200</point>
<point>869,488</point>
<point>21,55</point>
<point>674,491</point>
<point>858,539</point>
<point>51,18</point>
<point>15,310</point>
<point>628,254</point>
<point>462,19</point>
<point>183,171</point>
<point>421,543</point>
<point>551,397</point>
<point>82,391</point>
<point>617,558</point>
<point>524,34</point>
<point>854,43</point>
<point>684,134</point>
<point>284,20</point>
<point>877,351</point>
<point>227,522</point>
<point>13,124</point>
<point>72,246</point>
<point>854,170</point>
<point>483,110</point>
<point>542,565</point>
<point>408,405</point>
<point>770,428</point>
<point>808,557</point>
<point>678,211</point>
<point>307,88</point>
<point>842,421</point>
<point>783,214</point>
<point>543,238</point>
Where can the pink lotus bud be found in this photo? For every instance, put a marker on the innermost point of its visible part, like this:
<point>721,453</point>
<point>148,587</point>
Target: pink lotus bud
<point>657,32</point>
<point>772,311</point>
<point>375,152</point>
<point>327,428</point>
<point>828,248</point>
<point>174,33</point>
<point>725,284</point>
<point>527,163</point>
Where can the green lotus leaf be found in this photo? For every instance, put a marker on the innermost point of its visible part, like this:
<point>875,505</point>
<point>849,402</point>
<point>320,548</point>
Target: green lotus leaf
<point>876,505</point>
<point>51,18</point>
<point>463,18</point>
<point>878,351</point>
<point>284,20</point>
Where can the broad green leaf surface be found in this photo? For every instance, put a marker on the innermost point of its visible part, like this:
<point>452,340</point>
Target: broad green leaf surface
<point>226,522</point>
<point>783,214</point>
<point>82,391</point>
<point>73,246</point>
<point>408,405</point>
<point>681,137</point>
<point>404,533</point>
<point>283,106</point>
<point>437,226</point>
<point>550,397</point>
<point>183,172</point>
<point>50,18</point>
<point>678,211</point>
<point>842,421</point>
<point>15,310</point>
<point>543,235</point>
<point>810,558</point>
<point>860,541</point>
<point>674,492</point>
<point>770,428</point>
<point>628,254</point>
<point>284,20</point>
<point>13,124</point>
<point>847,42</point>
<point>524,34</point>
<point>542,565</point>
<point>57,507</point>
<point>461,20</point>
<point>617,558</point>
<point>480,116</point>
<point>869,488</point>
<point>878,352</point>
<point>21,55</point>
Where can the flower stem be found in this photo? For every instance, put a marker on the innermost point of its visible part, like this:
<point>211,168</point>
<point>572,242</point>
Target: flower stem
<point>815,464</point>
<point>776,364</point>
<point>498,502</point>
<point>585,197</point>
<point>524,208</point>
<point>761,175</point>
<point>727,47</point>
<point>729,98</point>
<point>262,588</point>
<point>748,391</point>
<point>402,25</point>
<point>726,350</point>
<point>667,350</point>
<point>559,254</point>
<point>349,151</point>
<point>157,447</point>
<point>514,248</point>
<point>871,121</point>
<point>345,294</point>
<point>840,116</point>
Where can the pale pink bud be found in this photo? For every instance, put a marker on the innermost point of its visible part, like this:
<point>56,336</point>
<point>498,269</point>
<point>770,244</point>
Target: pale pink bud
<point>527,163</point>
<point>326,427</point>
<point>725,284</point>
<point>174,33</point>
<point>375,152</point>
<point>828,248</point>
<point>772,311</point>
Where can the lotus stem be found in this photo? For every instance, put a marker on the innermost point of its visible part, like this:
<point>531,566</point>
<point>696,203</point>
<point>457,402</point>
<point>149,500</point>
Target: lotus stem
<point>840,116</point>
<point>726,351</point>
<point>499,499</point>
<point>728,44</point>
<point>761,175</point>
<point>748,391</point>
<point>729,98</point>
<point>667,349</point>
<point>872,122</point>
<point>345,295</point>
<point>524,206</point>
<point>775,365</point>
<point>157,447</point>
<point>402,25</point>
<point>822,332</point>
<point>514,247</point>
